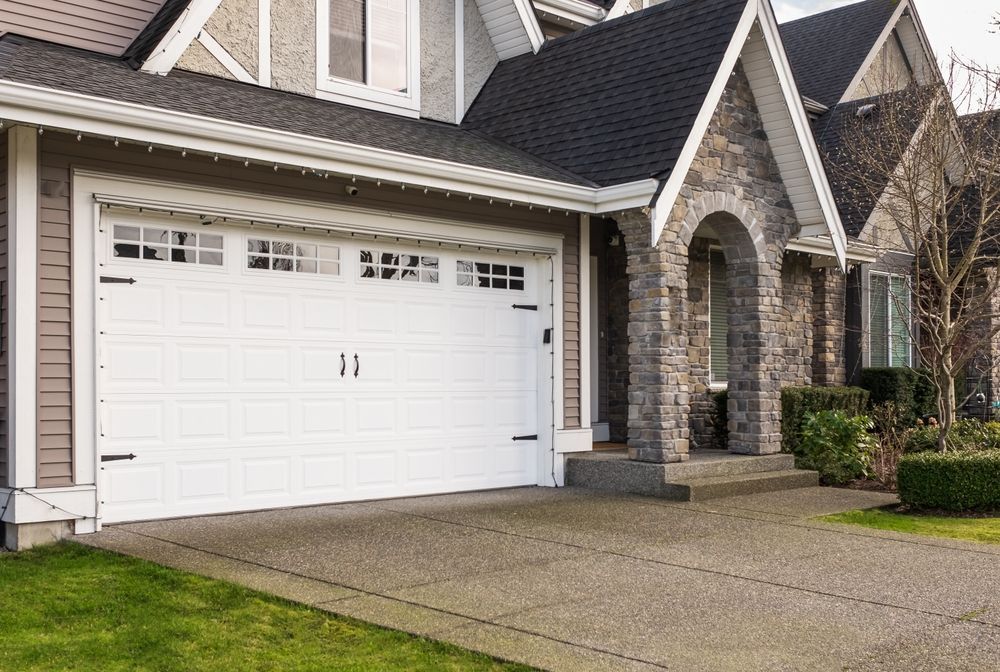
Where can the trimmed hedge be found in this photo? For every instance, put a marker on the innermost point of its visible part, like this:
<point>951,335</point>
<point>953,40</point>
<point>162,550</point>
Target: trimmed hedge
<point>911,390</point>
<point>798,402</point>
<point>953,481</point>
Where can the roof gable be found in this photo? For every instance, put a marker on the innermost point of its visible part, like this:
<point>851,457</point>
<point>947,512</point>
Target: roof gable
<point>649,71</point>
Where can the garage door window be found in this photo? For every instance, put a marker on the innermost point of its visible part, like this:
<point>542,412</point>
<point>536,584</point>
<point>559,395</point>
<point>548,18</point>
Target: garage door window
<point>269,254</point>
<point>152,243</point>
<point>493,276</point>
<point>382,265</point>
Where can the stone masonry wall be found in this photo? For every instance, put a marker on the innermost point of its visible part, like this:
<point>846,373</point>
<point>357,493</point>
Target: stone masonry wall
<point>733,185</point>
<point>797,329</point>
<point>699,345</point>
<point>829,367</point>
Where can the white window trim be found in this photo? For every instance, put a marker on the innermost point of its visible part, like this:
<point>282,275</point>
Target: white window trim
<point>889,299</point>
<point>713,384</point>
<point>362,95</point>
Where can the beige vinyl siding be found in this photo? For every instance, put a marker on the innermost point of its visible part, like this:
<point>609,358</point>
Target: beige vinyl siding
<point>60,153</point>
<point>106,26</point>
<point>3,308</point>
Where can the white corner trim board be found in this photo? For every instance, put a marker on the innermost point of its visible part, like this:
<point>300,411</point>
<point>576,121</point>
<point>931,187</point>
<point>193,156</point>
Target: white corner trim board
<point>530,21</point>
<point>171,46</point>
<point>264,42</point>
<point>459,60</point>
<point>226,59</point>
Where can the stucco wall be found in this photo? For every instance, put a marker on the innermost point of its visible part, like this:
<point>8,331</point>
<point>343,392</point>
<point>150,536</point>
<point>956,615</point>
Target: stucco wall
<point>437,59</point>
<point>888,72</point>
<point>480,56</point>
<point>196,58</point>
<point>293,46</point>
<point>234,25</point>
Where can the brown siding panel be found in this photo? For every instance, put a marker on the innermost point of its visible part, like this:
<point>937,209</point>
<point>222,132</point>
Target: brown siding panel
<point>61,152</point>
<point>3,308</point>
<point>105,26</point>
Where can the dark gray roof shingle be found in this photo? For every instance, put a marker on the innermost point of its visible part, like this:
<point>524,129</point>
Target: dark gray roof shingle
<point>826,50</point>
<point>614,102</point>
<point>143,45</point>
<point>64,69</point>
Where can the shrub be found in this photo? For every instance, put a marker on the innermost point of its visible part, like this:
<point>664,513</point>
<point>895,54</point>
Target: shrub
<point>891,437</point>
<point>797,402</point>
<point>911,390</point>
<point>966,435</point>
<point>837,445</point>
<point>952,481</point>
<point>720,419</point>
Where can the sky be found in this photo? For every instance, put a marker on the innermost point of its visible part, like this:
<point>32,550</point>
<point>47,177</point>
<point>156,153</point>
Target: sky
<point>962,25</point>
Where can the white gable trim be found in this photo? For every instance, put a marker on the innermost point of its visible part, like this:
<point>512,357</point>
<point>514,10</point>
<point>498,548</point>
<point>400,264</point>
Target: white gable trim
<point>180,35</point>
<point>531,26</point>
<point>620,8</point>
<point>785,120</point>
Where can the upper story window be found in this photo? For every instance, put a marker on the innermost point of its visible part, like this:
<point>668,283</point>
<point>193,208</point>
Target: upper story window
<point>368,53</point>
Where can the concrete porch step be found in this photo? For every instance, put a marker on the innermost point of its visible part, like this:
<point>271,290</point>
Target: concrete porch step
<point>714,487</point>
<point>706,475</point>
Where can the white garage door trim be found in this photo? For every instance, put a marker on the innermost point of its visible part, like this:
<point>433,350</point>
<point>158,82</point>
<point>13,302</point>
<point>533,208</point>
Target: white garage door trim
<point>87,214</point>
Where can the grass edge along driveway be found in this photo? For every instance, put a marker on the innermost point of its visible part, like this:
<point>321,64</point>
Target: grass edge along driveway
<point>982,530</point>
<point>68,607</point>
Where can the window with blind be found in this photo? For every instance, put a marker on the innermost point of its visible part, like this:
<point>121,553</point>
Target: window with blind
<point>889,340</point>
<point>718,300</point>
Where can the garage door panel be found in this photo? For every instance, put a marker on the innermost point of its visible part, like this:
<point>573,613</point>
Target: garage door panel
<point>225,382</point>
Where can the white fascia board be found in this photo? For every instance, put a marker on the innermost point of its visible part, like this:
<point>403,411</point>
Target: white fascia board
<point>185,29</point>
<point>873,53</point>
<point>803,130</point>
<point>925,44</point>
<point>99,116</point>
<point>575,11</point>
<point>527,14</point>
<point>664,203</point>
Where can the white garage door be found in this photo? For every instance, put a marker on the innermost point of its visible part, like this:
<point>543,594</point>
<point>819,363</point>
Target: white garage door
<point>249,368</point>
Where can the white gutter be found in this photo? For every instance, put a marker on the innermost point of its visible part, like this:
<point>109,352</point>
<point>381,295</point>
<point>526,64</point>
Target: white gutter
<point>99,116</point>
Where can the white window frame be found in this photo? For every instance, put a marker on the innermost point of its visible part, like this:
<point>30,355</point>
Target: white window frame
<point>889,311</point>
<point>356,93</point>
<point>713,384</point>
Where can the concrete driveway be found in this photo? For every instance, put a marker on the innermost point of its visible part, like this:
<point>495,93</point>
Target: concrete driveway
<point>575,580</point>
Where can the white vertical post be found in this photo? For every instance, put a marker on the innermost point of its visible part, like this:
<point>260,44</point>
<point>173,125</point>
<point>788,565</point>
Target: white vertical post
<point>264,42</point>
<point>22,299</point>
<point>459,60</point>
<point>584,302</point>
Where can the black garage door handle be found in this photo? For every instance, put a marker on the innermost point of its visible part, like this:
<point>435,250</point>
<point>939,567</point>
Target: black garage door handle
<point>357,365</point>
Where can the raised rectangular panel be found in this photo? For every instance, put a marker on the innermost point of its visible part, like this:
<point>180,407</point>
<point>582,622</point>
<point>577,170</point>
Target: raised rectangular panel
<point>515,412</point>
<point>134,422</point>
<point>133,363</point>
<point>468,321</point>
<point>323,417</point>
<point>374,366</point>
<point>200,480</point>
<point>469,368</point>
<point>425,319</point>
<point>202,363</point>
<point>266,311</point>
<point>514,369</point>
<point>322,366</point>
<point>470,413</point>
<point>322,314</point>
<point>323,472</point>
<point>265,418</point>
<point>377,317</point>
<point>375,415</point>
<point>203,308</point>
<point>376,469</point>
<point>513,459</point>
<point>135,305</point>
<point>424,414</point>
<point>265,477</point>
<point>133,484</point>
<point>199,420</point>
<point>423,367</point>
<point>510,324</point>
<point>424,465</point>
<point>270,365</point>
<point>470,462</point>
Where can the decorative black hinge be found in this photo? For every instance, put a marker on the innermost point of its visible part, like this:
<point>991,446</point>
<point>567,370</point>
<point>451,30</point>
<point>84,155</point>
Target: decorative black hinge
<point>115,458</point>
<point>107,279</point>
<point>526,437</point>
<point>519,306</point>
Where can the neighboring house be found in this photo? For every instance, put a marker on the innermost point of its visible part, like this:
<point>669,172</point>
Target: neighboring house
<point>263,253</point>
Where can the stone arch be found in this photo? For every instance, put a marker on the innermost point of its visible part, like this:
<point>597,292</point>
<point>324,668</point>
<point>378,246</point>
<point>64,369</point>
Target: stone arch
<point>748,244</point>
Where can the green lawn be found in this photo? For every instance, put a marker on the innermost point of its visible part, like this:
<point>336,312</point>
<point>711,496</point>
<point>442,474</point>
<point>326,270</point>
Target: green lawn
<point>67,607</point>
<point>986,530</point>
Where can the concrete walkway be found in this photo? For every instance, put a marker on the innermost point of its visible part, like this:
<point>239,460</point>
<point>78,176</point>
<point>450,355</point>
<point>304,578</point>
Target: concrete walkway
<point>574,580</point>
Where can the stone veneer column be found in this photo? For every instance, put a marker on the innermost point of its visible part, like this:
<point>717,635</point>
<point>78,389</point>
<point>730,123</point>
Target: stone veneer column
<point>829,327</point>
<point>755,357</point>
<point>658,397</point>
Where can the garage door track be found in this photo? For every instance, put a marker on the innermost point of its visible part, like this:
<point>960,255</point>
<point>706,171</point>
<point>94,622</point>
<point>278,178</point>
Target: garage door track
<point>575,580</point>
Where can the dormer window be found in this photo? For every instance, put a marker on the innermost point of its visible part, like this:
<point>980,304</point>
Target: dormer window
<point>368,53</point>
